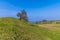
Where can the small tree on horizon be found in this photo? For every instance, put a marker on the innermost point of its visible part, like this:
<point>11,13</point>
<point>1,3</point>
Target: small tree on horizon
<point>23,15</point>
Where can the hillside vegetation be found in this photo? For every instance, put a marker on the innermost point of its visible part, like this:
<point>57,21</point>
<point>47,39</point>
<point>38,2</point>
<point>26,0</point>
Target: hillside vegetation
<point>14,29</point>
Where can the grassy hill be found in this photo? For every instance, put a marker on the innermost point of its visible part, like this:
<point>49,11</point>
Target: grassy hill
<point>14,29</point>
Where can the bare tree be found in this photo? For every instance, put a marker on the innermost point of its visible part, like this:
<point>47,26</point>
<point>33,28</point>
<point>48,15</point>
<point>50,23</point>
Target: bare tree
<point>23,15</point>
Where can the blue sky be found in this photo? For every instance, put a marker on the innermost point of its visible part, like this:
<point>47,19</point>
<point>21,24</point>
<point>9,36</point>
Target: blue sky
<point>36,9</point>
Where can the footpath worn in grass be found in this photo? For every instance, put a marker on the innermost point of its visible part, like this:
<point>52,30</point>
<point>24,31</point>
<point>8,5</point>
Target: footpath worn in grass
<point>14,29</point>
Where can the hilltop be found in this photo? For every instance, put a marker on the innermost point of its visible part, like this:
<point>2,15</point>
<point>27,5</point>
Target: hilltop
<point>14,29</point>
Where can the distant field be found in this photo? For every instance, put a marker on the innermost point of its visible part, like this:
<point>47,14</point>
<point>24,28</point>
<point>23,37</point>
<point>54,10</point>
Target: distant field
<point>51,26</point>
<point>14,29</point>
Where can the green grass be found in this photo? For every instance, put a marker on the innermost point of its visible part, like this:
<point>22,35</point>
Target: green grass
<point>14,29</point>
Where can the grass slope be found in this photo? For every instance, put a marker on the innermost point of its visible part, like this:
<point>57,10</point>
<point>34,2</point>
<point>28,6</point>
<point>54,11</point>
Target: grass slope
<point>14,29</point>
